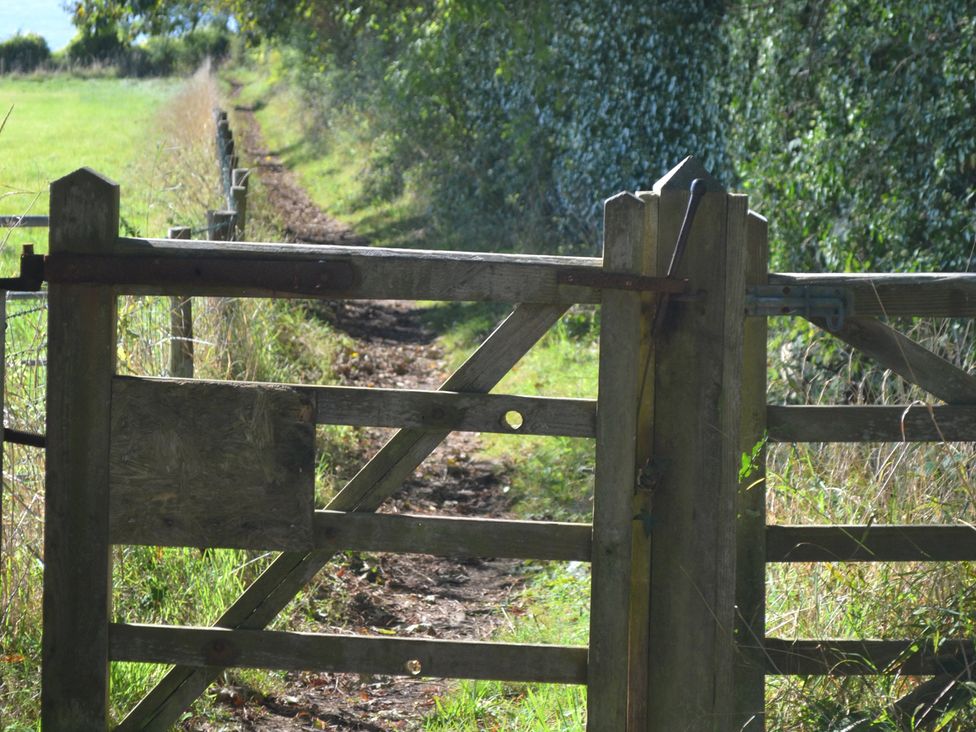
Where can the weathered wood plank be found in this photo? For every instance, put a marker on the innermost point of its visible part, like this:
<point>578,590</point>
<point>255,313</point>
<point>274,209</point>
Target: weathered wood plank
<point>750,563</point>
<point>867,657</point>
<point>221,464</point>
<point>620,380</point>
<point>874,543</point>
<point>910,360</point>
<point>937,295</point>
<point>378,479</point>
<point>77,559</point>
<point>440,410</point>
<point>697,445</point>
<point>443,410</point>
<point>248,269</point>
<point>918,423</point>
<point>451,536</point>
<point>217,647</point>
<point>642,502</point>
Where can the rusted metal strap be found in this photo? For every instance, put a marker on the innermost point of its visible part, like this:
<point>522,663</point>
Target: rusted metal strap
<point>297,277</point>
<point>599,279</point>
<point>31,273</point>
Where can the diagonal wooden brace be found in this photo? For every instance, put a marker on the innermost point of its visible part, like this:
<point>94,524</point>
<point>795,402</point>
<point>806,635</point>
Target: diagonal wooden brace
<point>372,485</point>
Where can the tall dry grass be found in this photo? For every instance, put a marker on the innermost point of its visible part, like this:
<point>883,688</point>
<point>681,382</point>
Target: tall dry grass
<point>873,483</point>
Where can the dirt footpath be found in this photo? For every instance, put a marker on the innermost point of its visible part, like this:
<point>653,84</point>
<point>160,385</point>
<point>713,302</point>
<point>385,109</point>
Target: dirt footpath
<point>403,595</point>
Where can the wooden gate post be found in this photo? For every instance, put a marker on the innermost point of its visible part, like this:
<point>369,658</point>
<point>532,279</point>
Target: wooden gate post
<point>750,561</point>
<point>181,324</point>
<point>623,354</point>
<point>696,448</point>
<point>77,553</point>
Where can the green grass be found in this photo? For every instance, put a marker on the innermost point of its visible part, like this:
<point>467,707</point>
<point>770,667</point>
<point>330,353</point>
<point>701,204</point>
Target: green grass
<point>59,124</point>
<point>148,136</point>
<point>331,163</point>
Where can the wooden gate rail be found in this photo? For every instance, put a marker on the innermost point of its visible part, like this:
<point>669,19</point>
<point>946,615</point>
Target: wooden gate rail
<point>872,296</point>
<point>219,648</point>
<point>246,269</point>
<point>935,295</point>
<point>409,408</point>
<point>874,543</point>
<point>869,657</point>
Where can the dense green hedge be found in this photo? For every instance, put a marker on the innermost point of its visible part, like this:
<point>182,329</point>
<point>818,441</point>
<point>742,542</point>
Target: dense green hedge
<point>852,124</point>
<point>23,52</point>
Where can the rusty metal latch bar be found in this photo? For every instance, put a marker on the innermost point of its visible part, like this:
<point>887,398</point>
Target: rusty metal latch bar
<point>833,304</point>
<point>598,279</point>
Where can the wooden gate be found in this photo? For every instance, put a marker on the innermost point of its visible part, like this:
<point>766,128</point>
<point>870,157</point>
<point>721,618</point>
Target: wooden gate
<point>204,463</point>
<point>677,636</point>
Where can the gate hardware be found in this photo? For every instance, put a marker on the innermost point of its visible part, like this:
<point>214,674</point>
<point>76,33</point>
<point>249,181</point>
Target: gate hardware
<point>17,437</point>
<point>697,191</point>
<point>31,273</point>
<point>598,279</point>
<point>833,304</point>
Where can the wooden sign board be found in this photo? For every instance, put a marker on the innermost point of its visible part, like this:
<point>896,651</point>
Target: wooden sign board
<point>211,465</point>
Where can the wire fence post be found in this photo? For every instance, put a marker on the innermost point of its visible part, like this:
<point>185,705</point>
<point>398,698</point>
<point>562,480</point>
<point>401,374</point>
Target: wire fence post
<point>181,324</point>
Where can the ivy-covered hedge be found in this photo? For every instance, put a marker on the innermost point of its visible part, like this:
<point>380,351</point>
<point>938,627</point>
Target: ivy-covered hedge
<point>852,124</point>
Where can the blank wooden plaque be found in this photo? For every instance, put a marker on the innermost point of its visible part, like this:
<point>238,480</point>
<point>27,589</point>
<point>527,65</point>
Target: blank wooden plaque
<point>211,465</point>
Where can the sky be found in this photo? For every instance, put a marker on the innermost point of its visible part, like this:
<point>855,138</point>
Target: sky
<point>44,17</point>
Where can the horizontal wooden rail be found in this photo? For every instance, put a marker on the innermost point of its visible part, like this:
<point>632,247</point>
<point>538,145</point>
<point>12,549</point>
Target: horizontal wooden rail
<point>451,536</point>
<point>218,647</point>
<point>941,295</point>
<point>23,222</point>
<point>416,409</point>
<point>867,657</point>
<point>918,423</point>
<point>180,267</point>
<point>851,543</point>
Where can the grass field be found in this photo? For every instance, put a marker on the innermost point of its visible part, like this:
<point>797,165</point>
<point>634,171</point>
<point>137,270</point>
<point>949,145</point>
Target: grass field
<point>57,124</point>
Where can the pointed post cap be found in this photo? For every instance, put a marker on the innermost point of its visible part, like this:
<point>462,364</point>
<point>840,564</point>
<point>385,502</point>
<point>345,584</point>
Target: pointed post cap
<point>679,178</point>
<point>84,212</point>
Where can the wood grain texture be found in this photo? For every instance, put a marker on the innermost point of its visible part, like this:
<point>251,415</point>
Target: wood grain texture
<point>696,441</point>
<point>936,295</point>
<point>219,464</point>
<point>867,657</point>
<point>440,410</point>
<point>750,562</point>
<point>874,543</point>
<point>444,410</point>
<point>363,531</point>
<point>375,272</point>
<point>77,560</point>
<point>217,647</point>
<point>620,381</point>
<point>642,502</point>
<point>910,360</point>
<point>378,479</point>
<point>918,423</point>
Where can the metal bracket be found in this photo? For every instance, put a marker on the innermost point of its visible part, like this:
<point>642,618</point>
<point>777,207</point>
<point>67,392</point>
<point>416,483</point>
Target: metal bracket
<point>31,273</point>
<point>833,304</point>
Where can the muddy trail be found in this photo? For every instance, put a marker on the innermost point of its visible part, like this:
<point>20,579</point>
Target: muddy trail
<point>402,595</point>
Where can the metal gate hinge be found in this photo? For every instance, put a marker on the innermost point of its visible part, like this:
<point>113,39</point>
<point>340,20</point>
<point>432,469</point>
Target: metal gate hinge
<point>833,304</point>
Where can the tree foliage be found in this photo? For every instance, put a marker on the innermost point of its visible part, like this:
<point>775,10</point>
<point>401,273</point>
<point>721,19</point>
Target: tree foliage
<point>851,123</point>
